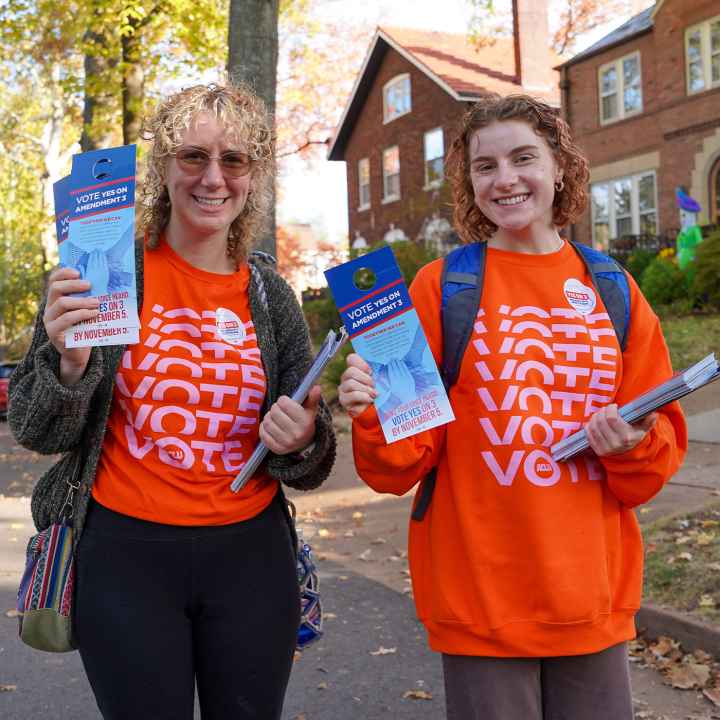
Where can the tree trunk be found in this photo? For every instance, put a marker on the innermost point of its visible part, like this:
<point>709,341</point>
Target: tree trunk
<point>99,103</point>
<point>133,87</point>
<point>252,58</point>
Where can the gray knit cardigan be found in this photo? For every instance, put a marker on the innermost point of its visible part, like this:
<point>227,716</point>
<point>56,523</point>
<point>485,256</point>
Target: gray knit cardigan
<point>49,418</point>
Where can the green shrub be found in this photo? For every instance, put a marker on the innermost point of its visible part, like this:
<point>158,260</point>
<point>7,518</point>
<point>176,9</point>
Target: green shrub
<point>663,282</point>
<point>331,377</point>
<point>410,256</point>
<point>637,261</point>
<point>705,288</point>
<point>321,316</point>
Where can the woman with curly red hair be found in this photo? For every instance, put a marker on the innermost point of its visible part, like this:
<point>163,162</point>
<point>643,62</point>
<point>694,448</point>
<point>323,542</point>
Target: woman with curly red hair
<point>527,572</point>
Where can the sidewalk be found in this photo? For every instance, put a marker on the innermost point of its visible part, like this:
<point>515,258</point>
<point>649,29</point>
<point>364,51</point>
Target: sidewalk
<point>360,541</point>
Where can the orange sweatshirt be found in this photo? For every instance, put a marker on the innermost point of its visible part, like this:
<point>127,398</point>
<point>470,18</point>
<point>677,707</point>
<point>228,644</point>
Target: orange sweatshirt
<point>519,555</point>
<point>186,405</point>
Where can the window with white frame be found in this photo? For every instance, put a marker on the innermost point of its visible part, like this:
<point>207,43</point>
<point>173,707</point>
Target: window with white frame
<point>624,206</point>
<point>364,184</point>
<point>620,88</point>
<point>434,153</point>
<point>391,173</point>
<point>702,56</point>
<point>396,97</point>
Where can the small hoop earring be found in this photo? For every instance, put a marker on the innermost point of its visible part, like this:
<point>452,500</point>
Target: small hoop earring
<point>559,185</point>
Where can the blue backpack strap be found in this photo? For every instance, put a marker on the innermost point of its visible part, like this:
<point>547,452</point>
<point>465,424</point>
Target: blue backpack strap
<point>461,286</point>
<point>611,282</point>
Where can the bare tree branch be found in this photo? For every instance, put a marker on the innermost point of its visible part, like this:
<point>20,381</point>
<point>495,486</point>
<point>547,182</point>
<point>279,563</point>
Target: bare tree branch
<point>304,146</point>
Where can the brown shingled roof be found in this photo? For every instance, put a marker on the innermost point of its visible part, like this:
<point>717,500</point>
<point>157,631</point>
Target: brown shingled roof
<point>457,62</point>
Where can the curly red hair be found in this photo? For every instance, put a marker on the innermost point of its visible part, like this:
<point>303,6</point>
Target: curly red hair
<point>569,202</point>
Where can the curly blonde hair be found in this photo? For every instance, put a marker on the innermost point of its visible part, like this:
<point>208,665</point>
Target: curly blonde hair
<point>246,120</point>
<point>569,202</point>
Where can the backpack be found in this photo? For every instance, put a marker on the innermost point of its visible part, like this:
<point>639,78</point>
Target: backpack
<point>462,283</point>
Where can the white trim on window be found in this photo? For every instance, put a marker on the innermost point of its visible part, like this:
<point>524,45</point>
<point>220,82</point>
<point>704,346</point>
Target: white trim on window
<point>363,184</point>
<point>434,156</point>
<point>391,180</point>
<point>616,218</point>
<point>402,83</point>
<point>702,70</point>
<point>621,90</point>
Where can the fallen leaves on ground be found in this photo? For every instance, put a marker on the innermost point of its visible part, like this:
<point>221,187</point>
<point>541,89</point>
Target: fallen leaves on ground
<point>417,695</point>
<point>365,555</point>
<point>686,676</point>
<point>713,695</point>
<point>679,669</point>
<point>384,651</point>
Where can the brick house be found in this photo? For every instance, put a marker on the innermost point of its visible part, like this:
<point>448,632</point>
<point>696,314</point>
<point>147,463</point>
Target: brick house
<point>398,123</point>
<point>644,104</point>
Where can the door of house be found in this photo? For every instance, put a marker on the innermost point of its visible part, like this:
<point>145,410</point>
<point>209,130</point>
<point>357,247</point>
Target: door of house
<point>715,192</point>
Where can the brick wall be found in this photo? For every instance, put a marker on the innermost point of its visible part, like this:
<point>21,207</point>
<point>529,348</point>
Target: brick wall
<point>673,123</point>
<point>432,107</point>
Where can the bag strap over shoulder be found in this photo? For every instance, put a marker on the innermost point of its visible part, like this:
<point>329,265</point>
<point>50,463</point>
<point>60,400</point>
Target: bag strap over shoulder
<point>462,284</point>
<point>611,282</point>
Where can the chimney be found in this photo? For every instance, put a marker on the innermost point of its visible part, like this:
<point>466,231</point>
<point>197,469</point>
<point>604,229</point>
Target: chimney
<point>533,60</point>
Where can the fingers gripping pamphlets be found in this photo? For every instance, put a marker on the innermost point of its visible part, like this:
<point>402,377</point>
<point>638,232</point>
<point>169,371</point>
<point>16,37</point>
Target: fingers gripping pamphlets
<point>333,342</point>
<point>386,332</point>
<point>95,224</point>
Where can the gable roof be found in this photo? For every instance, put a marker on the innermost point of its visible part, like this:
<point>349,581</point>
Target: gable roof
<point>637,25</point>
<point>450,60</point>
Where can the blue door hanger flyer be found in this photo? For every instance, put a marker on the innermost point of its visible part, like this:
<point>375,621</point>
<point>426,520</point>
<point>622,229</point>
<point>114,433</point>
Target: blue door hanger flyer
<point>386,332</point>
<point>97,202</point>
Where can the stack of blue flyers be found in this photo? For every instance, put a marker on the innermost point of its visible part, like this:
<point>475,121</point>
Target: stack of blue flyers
<point>386,332</point>
<point>95,223</point>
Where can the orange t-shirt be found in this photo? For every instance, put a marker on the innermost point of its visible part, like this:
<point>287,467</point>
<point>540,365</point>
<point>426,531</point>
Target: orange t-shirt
<point>519,555</point>
<point>187,402</point>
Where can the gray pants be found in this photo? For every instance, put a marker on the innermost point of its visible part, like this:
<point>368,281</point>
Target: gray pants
<point>579,687</point>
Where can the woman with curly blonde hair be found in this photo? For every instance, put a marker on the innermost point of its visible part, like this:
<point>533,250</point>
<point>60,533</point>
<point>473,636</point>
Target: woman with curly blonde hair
<point>180,582</point>
<point>526,571</point>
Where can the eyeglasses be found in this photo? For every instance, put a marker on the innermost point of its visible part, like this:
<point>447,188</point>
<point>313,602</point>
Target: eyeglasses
<point>194,161</point>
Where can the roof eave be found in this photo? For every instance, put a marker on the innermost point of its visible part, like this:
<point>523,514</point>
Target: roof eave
<point>587,54</point>
<point>375,54</point>
<point>337,147</point>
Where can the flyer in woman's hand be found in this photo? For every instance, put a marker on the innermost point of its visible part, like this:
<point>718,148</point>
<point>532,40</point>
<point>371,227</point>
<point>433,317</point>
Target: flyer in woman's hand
<point>386,332</point>
<point>95,222</point>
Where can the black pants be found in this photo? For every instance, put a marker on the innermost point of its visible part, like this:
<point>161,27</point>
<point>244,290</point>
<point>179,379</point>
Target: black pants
<point>160,607</point>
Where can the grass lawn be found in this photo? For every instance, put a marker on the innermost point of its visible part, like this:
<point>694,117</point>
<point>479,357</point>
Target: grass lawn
<point>682,563</point>
<point>691,338</point>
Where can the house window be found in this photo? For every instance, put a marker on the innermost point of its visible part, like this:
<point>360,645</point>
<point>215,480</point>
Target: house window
<point>625,206</point>
<point>702,56</point>
<point>396,98</point>
<point>364,184</point>
<point>391,174</point>
<point>620,88</point>
<point>434,153</point>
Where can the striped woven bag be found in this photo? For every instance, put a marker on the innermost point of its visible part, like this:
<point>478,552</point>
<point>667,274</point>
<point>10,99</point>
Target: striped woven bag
<point>46,589</point>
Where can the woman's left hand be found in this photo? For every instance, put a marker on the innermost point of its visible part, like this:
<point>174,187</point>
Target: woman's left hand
<point>609,434</point>
<point>289,427</point>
